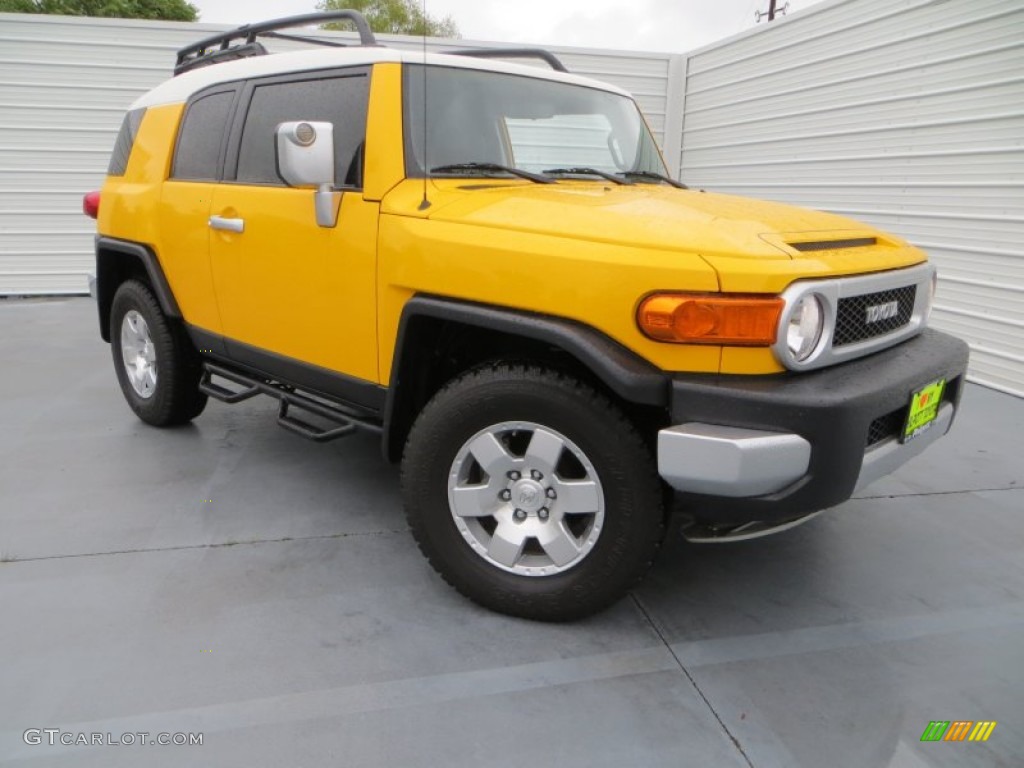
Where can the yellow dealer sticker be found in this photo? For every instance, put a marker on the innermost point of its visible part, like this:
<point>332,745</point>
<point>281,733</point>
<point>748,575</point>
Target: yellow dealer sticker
<point>924,407</point>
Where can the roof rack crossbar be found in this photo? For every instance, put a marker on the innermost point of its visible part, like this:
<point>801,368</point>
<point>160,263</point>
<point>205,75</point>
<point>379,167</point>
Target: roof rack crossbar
<point>513,53</point>
<point>215,48</point>
<point>305,39</point>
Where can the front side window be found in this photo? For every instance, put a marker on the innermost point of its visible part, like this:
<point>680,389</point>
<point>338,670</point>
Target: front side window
<point>472,116</point>
<point>338,100</point>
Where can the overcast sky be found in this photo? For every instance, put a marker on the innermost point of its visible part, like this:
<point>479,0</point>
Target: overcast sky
<point>671,26</point>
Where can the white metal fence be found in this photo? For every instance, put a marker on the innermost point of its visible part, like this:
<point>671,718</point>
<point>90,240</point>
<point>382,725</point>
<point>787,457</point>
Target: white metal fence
<point>908,114</point>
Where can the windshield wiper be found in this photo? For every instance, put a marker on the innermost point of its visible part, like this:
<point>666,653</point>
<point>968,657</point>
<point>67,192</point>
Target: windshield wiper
<point>587,172</point>
<point>491,168</point>
<point>655,177</point>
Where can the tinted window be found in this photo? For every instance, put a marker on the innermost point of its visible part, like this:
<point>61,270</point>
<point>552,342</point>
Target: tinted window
<point>202,134</point>
<point>125,142</point>
<point>338,100</point>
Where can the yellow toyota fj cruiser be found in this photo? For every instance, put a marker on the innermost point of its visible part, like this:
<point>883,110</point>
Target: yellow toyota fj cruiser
<point>489,264</point>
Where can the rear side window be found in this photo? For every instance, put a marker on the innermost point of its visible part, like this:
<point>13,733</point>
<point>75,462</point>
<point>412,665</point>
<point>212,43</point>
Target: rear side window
<point>338,100</point>
<point>203,133</point>
<point>125,142</point>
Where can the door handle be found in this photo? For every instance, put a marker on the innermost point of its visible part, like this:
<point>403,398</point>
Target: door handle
<point>227,225</point>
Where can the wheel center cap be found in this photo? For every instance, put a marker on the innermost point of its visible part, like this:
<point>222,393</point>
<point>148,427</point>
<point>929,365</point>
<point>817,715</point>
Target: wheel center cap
<point>528,495</point>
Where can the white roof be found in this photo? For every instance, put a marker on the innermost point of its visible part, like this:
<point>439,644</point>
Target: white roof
<point>180,88</point>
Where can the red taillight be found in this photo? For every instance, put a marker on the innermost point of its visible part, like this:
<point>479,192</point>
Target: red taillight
<point>91,205</point>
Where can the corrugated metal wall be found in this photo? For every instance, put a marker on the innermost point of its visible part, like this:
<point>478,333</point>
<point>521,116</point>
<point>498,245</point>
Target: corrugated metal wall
<point>64,86</point>
<point>908,114</point>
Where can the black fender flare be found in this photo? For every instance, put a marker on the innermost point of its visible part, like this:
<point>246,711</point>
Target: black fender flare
<point>624,372</point>
<point>110,252</point>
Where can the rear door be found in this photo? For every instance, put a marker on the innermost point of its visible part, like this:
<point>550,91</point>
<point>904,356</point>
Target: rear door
<point>297,299</point>
<point>185,203</point>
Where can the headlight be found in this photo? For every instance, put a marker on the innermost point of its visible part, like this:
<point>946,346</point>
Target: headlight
<point>806,322</point>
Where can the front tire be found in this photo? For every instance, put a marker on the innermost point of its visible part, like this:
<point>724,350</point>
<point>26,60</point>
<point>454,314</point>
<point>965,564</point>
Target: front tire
<point>156,365</point>
<point>531,494</point>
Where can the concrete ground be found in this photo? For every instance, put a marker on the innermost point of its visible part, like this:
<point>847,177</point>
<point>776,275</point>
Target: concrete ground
<point>231,579</point>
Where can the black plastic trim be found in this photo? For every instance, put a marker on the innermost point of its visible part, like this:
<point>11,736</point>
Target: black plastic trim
<point>209,344</point>
<point>624,372</point>
<point>834,245</point>
<point>621,370</point>
<point>348,390</point>
<point>107,272</point>
<point>832,408</point>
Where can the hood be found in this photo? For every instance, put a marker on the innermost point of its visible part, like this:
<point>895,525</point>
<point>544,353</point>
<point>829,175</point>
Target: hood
<point>642,215</point>
<point>754,246</point>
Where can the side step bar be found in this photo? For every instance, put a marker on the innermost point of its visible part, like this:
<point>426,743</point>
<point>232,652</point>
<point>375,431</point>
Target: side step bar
<point>342,422</point>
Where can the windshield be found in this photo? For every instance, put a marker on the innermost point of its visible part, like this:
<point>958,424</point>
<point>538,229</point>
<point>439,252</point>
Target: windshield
<point>488,118</point>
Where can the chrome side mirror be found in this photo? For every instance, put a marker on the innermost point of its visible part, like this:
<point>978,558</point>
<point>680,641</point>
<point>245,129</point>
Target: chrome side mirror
<point>305,158</point>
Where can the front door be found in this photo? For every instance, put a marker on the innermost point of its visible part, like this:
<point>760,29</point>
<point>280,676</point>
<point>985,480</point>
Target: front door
<point>293,294</point>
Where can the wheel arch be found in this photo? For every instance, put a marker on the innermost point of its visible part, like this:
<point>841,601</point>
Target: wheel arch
<point>438,338</point>
<point>120,260</point>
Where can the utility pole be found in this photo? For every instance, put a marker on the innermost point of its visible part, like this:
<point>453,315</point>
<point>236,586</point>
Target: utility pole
<point>771,12</point>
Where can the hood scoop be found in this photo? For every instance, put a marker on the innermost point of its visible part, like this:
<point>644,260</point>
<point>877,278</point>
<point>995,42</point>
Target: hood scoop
<point>834,245</point>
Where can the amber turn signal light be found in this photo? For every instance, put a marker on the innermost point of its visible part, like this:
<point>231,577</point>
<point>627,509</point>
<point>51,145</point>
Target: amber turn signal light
<point>690,319</point>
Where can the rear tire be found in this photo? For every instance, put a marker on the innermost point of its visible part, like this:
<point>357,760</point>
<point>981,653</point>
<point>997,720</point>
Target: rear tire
<point>157,367</point>
<point>532,494</point>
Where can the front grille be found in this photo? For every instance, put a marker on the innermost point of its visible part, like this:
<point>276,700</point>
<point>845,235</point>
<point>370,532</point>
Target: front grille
<point>852,316</point>
<point>886,426</point>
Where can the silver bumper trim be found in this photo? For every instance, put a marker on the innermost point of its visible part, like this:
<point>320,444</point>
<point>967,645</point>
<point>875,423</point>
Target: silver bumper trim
<point>884,458</point>
<point>729,461</point>
<point>704,534</point>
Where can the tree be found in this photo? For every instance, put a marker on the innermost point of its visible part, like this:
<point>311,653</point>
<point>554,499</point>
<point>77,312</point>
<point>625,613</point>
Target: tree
<point>171,10</point>
<point>396,17</point>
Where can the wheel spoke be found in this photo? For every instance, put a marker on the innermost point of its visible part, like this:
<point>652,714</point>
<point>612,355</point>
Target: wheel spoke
<point>559,544</point>
<point>475,501</point>
<point>129,343</point>
<point>544,451</point>
<point>577,497</point>
<point>510,505</point>
<point>506,544</point>
<point>491,454</point>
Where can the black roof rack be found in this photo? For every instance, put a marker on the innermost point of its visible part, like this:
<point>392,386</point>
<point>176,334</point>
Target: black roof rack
<point>513,53</point>
<point>217,48</point>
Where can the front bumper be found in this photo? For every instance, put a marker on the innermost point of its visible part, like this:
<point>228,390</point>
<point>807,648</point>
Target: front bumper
<point>772,448</point>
